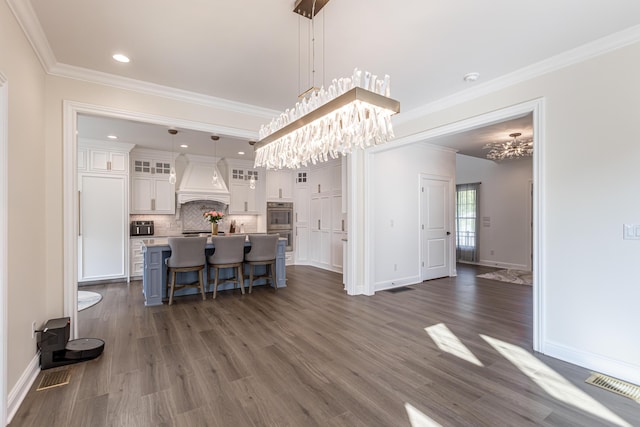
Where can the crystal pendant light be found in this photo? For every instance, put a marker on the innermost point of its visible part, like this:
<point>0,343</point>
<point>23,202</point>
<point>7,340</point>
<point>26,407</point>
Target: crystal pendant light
<point>172,171</point>
<point>214,177</point>
<point>350,113</point>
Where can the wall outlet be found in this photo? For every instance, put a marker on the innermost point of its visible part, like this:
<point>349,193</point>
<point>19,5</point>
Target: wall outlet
<point>33,329</point>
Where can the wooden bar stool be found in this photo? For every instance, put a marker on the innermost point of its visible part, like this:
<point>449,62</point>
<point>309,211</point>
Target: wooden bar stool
<point>264,248</point>
<point>228,253</point>
<point>187,254</point>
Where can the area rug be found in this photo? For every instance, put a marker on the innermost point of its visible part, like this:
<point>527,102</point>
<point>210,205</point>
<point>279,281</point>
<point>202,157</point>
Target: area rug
<point>86,299</point>
<point>510,276</point>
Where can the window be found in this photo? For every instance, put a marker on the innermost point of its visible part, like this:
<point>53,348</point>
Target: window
<point>467,222</point>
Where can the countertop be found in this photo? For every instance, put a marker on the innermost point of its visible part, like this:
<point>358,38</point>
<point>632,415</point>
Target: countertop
<point>164,241</point>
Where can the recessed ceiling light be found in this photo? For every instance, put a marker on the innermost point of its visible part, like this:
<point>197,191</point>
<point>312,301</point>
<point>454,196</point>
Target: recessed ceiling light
<point>471,77</point>
<point>121,58</point>
<point>183,146</point>
<point>112,137</point>
<point>241,153</point>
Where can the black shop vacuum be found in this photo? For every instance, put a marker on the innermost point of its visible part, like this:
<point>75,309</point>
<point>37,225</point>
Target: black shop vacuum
<point>57,350</point>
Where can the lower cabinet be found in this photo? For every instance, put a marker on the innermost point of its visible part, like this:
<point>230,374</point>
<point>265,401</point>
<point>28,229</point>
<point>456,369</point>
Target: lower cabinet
<point>136,258</point>
<point>102,243</point>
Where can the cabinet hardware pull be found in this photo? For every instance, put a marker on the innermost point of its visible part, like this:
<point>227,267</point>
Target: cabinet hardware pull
<point>153,204</point>
<point>343,225</point>
<point>296,231</point>
<point>246,206</point>
<point>296,216</point>
<point>318,188</point>
<point>280,193</point>
<point>318,224</point>
<point>108,165</point>
<point>79,214</point>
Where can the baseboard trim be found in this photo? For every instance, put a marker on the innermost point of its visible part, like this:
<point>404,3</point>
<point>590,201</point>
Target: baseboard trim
<point>20,390</point>
<point>396,283</point>
<point>595,362</point>
<point>498,264</point>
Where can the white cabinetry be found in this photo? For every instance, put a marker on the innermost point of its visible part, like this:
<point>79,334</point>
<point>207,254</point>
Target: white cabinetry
<point>301,216</point>
<point>107,161</point>
<point>326,226</point>
<point>279,185</point>
<point>103,190</point>
<point>241,176</point>
<point>136,258</point>
<point>151,191</point>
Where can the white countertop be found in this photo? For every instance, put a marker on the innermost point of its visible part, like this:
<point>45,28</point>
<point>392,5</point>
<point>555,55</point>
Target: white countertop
<point>164,241</point>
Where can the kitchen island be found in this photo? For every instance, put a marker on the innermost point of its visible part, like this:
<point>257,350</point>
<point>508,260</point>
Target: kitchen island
<point>154,277</point>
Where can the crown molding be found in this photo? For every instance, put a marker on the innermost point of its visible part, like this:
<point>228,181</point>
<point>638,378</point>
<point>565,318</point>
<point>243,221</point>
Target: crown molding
<point>565,59</point>
<point>148,88</point>
<point>31,27</point>
<point>28,21</point>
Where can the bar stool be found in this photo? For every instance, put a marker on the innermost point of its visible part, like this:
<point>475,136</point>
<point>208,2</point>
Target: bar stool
<point>228,253</point>
<point>187,254</point>
<point>264,248</point>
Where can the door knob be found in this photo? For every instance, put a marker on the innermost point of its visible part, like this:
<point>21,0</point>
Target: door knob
<point>448,233</point>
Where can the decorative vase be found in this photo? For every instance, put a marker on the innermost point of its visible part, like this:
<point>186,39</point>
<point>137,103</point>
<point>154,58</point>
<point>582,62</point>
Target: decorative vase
<point>214,228</point>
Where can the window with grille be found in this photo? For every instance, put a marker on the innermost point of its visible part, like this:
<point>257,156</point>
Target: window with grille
<point>467,222</point>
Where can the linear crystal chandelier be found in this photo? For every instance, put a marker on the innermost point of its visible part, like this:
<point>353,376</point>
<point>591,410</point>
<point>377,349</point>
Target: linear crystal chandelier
<point>510,149</point>
<point>353,112</point>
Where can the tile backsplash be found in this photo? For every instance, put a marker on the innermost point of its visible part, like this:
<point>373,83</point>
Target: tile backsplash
<point>191,219</point>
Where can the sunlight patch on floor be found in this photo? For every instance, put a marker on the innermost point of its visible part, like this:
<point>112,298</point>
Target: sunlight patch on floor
<point>552,382</point>
<point>448,342</point>
<point>417,418</point>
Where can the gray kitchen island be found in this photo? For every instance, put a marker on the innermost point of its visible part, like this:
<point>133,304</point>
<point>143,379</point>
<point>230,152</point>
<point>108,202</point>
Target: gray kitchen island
<point>154,277</point>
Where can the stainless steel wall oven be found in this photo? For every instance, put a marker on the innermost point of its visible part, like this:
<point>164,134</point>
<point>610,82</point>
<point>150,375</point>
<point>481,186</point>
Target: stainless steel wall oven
<point>280,221</point>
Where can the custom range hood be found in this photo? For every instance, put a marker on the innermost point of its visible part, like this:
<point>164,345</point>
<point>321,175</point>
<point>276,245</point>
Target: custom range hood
<point>197,181</point>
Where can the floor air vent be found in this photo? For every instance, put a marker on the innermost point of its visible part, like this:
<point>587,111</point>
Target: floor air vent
<point>400,289</point>
<point>54,379</point>
<point>614,385</point>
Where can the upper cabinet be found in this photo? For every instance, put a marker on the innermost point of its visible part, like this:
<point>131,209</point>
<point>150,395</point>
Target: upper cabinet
<point>103,157</point>
<point>246,185</point>
<point>151,191</point>
<point>279,185</point>
<point>326,178</point>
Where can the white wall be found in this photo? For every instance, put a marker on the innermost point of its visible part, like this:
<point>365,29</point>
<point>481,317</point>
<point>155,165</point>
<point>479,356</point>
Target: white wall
<point>505,198</point>
<point>27,186</point>
<point>35,191</point>
<point>396,199</point>
<point>589,172</point>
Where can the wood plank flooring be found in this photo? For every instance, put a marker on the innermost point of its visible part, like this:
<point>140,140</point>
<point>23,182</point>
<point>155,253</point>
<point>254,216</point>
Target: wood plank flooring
<point>308,355</point>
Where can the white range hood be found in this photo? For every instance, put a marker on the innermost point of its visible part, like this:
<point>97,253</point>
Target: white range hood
<point>196,182</point>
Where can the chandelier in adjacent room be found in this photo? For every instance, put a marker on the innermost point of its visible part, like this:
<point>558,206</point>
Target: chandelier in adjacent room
<point>510,149</point>
<point>352,112</point>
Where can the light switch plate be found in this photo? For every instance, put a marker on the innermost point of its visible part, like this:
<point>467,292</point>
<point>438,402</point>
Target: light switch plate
<point>631,231</point>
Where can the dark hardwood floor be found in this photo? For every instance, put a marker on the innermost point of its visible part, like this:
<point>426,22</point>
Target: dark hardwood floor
<point>308,355</point>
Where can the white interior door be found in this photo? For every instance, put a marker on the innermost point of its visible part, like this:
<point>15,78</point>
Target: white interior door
<point>435,228</point>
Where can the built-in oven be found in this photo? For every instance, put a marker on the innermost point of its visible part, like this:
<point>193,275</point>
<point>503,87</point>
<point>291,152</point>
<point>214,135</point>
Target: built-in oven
<point>280,221</point>
<point>279,216</point>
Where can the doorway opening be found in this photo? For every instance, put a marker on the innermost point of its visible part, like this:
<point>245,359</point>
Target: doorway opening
<point>438,136</point>
<point>71,111</point>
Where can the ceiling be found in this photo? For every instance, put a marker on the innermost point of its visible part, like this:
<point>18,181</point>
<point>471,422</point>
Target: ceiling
<point>256,52</point>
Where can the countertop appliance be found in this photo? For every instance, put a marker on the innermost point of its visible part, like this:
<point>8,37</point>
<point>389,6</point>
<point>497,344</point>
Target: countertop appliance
<point>141,228</point>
